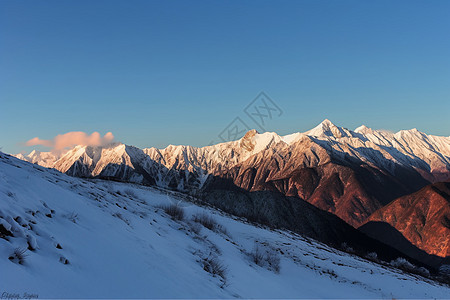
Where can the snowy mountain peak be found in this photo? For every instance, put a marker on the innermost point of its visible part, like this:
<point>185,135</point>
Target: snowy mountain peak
<point>409,132</point>
<point>34,153</point>
<point>327,128</point>
<point>251,132</point>
<point>327,122</point>
<point>255,142</point>
<point>363,129</point>
<point>45,159</point>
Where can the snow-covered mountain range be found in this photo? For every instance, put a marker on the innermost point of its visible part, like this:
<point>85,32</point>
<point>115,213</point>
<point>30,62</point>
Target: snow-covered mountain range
<point>66,237</point>
<point>428,154</point>
<point>360,161</point>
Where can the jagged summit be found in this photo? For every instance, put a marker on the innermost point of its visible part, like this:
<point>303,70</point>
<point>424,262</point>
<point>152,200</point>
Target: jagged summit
<point>34,153</point>
<point>252,132</point>
<point>254,142</point>
<point>327,128</point>
<point>45,159</point>
<point>327,122</point>
<point>363,129</point>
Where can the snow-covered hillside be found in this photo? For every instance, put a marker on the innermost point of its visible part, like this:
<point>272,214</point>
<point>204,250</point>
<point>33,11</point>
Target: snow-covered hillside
<point>102,239</point>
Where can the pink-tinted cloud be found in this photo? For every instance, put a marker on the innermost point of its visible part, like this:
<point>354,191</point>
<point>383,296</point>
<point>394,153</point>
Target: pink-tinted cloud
<point>37,141</point>
<point>71,139</point>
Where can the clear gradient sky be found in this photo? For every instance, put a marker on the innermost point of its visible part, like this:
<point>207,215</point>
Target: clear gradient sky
<point>177,72</point>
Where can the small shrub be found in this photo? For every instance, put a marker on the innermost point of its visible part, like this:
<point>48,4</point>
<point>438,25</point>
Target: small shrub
<point>221,229</point>
<point>402,264</point>
<point>423,271</point>
<point>206,220</point>
<point>174,211</point>
<point>373,256</point>
<point>213,266</point>
<point>345,247</point>
<point>273,259</point>
<point>19,254</point>
<point>266,257</point>
<point>195,227</point>
<point>257,255</point>
<point>405,265</point>
<point>209,222</point>
<point>445,270</point>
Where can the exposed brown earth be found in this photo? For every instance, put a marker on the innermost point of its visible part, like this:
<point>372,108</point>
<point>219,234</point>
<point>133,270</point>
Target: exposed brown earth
<point>423,218</point>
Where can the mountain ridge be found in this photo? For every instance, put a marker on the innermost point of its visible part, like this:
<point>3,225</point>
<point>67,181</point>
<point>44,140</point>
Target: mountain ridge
<point>327,131</point>
<point>349,173</point>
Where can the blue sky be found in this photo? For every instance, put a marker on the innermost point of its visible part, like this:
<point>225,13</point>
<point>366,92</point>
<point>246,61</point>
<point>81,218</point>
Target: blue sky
<point>178,72</point>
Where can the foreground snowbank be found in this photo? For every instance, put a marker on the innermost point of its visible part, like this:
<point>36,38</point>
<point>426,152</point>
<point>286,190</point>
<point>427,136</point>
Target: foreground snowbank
<point>99,239</point>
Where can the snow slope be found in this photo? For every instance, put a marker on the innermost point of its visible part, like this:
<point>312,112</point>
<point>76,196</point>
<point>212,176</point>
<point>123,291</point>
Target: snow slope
<point>101,239</point>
